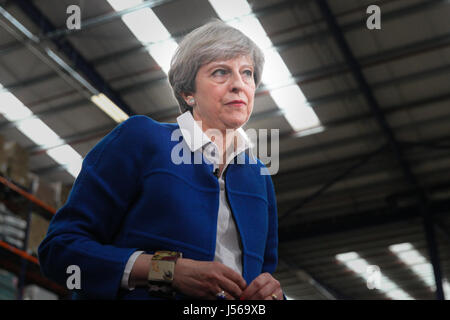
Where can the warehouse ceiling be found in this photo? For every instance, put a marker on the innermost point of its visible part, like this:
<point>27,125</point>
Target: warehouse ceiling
<point>376,175</point>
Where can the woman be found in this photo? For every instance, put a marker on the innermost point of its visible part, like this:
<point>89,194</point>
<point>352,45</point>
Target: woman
<point>141,224</point>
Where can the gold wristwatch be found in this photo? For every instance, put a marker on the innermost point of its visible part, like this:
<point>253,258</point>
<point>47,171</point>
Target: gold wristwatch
<point>162,267</point>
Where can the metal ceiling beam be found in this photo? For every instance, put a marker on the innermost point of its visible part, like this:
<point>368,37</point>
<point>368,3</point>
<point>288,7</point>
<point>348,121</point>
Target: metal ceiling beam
<point>338,35</point>
<point>10,47</point>
<point>389,192</point>
<point>330,183</point>
<point>359,221</point>
<point>104,18</point>
<point>313,177</point>
<point>79,62</point>
<point>306,276</point>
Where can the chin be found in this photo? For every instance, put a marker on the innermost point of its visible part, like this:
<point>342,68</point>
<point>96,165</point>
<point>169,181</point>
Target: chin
<point>235,121</point>
<point>235,124</point>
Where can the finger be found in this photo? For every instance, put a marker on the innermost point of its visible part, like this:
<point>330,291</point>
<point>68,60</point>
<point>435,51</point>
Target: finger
<point>265,292</point>
<point>278,293</point>
<point>225,293</point>
<point>235,277</point>
<point>231,287</point>
<point>258,283</point>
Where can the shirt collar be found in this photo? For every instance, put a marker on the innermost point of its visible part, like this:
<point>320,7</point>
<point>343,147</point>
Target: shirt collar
<point>196,138</point>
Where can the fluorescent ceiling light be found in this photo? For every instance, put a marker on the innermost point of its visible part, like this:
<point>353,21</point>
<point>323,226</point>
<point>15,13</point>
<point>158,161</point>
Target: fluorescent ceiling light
<point>37,131</point>
<point>11,107</point>
<point>150,31</point>
<point>348,256</point>
<point>288,96</point>
<point>252,28</point>
<point>296,108</point>
<point>231,9</point>
<point>68,157</point>
<point>120,5</point>
<point>162,53</point>
<point>360,266</point>
<point>275,71</point>
<point>146,26</point>
<point>398,294</point>
<point>109,107</point>
<point>446,289</point>
<point>396,248</point>
<point>419,265</point>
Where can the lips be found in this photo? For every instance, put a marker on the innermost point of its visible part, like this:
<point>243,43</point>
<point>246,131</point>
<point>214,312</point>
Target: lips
<point>237,103</point>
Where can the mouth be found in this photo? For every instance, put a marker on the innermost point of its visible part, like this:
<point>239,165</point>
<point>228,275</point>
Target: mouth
<point>236,103</point>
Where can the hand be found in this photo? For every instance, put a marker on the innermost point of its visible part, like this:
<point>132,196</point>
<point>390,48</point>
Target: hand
<point>262,288</point>
<point>204,279</point>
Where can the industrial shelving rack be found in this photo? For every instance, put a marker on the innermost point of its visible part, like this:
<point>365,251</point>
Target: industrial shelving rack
<point>17,261</point>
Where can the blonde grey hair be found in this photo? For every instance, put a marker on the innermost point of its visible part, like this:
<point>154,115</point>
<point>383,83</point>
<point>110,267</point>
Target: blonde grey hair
<point>213,41</point>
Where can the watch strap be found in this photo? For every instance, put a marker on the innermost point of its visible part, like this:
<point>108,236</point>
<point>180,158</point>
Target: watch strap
<point>162,267</point>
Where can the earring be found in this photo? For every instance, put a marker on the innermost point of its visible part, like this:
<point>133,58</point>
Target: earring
<point>191,101</point>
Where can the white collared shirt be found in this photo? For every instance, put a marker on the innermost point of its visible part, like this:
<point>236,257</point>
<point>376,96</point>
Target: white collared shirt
<point>228,247</point>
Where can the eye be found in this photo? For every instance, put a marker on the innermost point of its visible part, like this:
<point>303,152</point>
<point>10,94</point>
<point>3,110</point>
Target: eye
<point>249,73</point>
<point>220,72</point>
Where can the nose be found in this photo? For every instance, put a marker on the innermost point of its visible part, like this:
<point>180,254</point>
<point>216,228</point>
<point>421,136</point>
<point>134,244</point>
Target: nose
<point>237,83</point>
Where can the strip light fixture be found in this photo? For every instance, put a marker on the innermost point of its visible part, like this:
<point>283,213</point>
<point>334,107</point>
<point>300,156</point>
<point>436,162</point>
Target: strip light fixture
<point>109,107</point>
<point>420,265</point>
<point>149,30</point>
<point>37,131</point>
<point>360,266</point>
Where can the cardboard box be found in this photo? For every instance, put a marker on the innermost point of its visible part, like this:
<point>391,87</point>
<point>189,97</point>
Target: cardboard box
<point>38,230</point>
<point>62,193</point>
<point>17,163</point>
<point>46,192</point>
<point>19,175</point>
<point>15,153</point>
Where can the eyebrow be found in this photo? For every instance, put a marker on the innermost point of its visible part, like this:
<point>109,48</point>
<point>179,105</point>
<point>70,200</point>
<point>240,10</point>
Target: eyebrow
<point>223,65</point>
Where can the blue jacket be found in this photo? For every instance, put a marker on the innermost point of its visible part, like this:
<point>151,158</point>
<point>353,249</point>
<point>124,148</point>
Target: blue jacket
<point>130,196</point>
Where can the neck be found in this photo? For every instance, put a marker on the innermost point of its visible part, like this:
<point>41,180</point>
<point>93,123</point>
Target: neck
<point>222,137</point>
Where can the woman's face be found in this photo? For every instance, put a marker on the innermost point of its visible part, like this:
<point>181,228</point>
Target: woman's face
<point>225,91</point>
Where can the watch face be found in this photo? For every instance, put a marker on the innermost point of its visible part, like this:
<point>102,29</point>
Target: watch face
<point>168,275</point>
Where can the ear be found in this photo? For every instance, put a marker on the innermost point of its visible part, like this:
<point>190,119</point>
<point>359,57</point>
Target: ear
<point>186,96</point>
<point>189,98</point>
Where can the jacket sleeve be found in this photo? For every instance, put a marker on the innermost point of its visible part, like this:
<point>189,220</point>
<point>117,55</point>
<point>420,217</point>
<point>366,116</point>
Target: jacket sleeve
<point>81,232</point>
<point>271,251</point>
